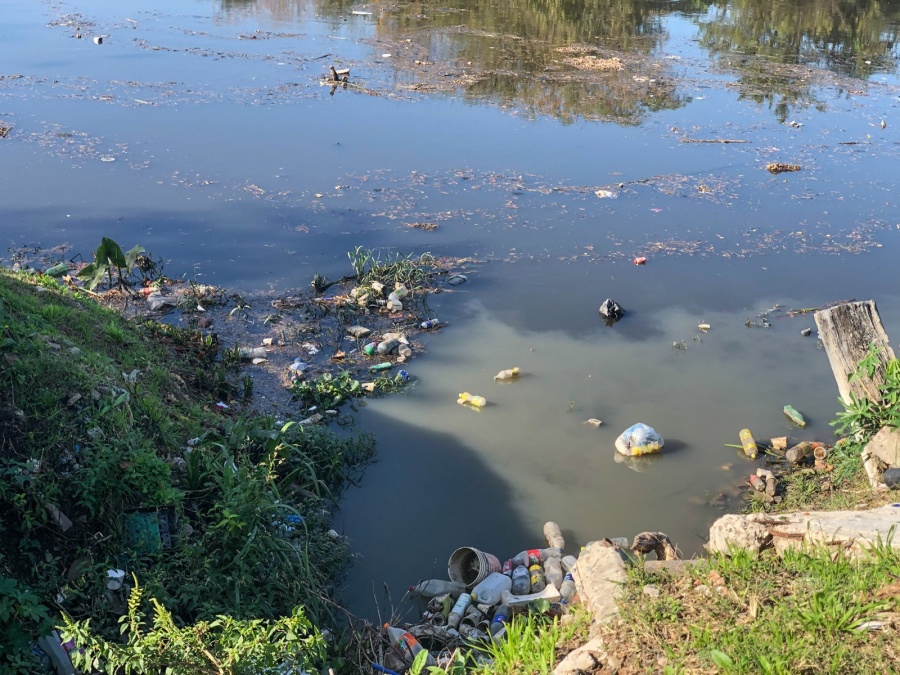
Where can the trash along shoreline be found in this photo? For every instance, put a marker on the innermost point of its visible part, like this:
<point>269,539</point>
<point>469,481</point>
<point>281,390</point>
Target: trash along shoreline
<point>331,346</point>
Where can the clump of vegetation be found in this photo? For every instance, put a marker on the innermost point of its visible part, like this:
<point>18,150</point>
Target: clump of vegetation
<point>224,645</point>
<point>862,418</point>
<point>109,257</point>
<point>410,270</point>
<point>114,455</point>
<point>330,392</point>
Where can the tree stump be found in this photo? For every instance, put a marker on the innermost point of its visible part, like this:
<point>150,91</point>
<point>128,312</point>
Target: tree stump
<point>846,331</point>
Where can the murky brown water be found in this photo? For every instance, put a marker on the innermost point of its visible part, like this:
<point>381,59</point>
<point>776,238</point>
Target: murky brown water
<point>204,132</point>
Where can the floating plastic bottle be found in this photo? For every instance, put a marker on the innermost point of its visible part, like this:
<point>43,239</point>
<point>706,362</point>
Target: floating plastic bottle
<point>554,535</point>
<point>521,581</point>
<point>431,323</point>
<point>749,444</point>
<point>459,610</point>
<point>370,349</point>
<point>538,582</point>
<point>501,616</point>
<point>794,416</point>
<point>508,374</point>
<point>406,644</point>
<point>387,346</point>
<point>567,588</point>
<point>553,572</point>
<point>477,401</point>
<point>535,556</point>
<point>381,366</point>
<point>434,587</point>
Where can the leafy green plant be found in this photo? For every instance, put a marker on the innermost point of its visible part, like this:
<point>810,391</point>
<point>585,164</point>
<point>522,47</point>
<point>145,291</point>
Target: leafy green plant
<point>109,257</point>
<point>223,645</point>
<point>863,417</point>
<point>457,665</point>
<point>389,384</point>
<point>327,391</point>
<point>22,617</point>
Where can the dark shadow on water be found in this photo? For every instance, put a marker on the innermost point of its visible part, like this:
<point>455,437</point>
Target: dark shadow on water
<point>426,496</point>
<point>673,446</point>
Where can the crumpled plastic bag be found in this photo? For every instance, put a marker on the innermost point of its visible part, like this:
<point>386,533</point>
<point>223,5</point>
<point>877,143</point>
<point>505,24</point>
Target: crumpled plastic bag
<point>639,439</point>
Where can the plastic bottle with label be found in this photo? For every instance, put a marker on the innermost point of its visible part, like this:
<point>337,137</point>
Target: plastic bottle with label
<point>489,589</point>
<point>535,556</point>
<point>501,616</point>
<point>521,581</point>
<point>406,644</point>
<point>747,442</point>
<point>467,398</point>
<point>433,587</point>
<point>369,349</point>
<point>567,588</point>
<point>538,583</point>
<point>459,610</point>
<point>431,323</point>
<point>553,571</point>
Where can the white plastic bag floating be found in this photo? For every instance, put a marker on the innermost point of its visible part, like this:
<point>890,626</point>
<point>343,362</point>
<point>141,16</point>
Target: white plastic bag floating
<point>639,439</point>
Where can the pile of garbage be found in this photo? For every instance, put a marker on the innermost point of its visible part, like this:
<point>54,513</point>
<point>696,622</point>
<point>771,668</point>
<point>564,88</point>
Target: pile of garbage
<point>782,456</point>
<point>480,597</point>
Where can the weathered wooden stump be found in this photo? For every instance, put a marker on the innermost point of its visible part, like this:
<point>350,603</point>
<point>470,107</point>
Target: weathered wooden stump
<point>847,331</point>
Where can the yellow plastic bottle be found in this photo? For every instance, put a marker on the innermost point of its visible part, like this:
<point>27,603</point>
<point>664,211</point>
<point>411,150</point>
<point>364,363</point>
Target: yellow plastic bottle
<point>477,401</point>
<point>749,444</point>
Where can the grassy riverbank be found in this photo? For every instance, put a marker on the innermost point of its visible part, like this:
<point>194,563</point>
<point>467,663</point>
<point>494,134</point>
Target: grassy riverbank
<point>116,455</point>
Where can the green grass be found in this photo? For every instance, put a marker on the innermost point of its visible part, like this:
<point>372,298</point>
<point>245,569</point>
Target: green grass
<point>804,612</point>
<point>533,645</point>
<point>101,418</point>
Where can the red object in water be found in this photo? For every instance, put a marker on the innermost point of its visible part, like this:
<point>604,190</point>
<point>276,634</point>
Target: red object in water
<point>640,261</point>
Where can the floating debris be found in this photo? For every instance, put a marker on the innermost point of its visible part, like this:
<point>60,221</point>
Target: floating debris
<point>778,167</point>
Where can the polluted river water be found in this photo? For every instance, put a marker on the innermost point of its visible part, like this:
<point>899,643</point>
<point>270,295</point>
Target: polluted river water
<point>551,146</point>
